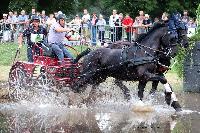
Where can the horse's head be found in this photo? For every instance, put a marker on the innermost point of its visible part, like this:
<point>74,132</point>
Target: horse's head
<point>175,34</point>
<point>168,44</point>
<point>182,34</point>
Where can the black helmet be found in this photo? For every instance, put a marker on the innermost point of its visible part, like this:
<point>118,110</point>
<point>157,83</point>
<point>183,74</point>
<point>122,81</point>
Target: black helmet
<point>35,18</point>
<point>61,16</point>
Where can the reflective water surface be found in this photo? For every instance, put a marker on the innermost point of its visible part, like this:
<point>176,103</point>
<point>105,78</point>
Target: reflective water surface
<point>103,116</point>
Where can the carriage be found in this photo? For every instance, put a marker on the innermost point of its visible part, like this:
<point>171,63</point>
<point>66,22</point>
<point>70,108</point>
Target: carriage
<point>45,73</point>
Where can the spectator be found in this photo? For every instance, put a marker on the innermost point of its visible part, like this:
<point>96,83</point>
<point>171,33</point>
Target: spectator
<point>86,24</point>
<point>185,17</point>
<point>138,24</point>
<point>50,21</point>
<point>94,28</point>
<point>76,23</point>
<point>15,17</point>
<point>191,27</point>
<point>191,23</point>
<point>165,16</point>
<point>43,18</point>
<point>118,25</point>
<point>156,20</point>
<point>15,20</point>
<point>147,23</point>
<point>6,28</point>
<point>22,20</point>
<point>33,12</point>
<point>76,20</point>
<point>10,19</point>
<point>11,22</point>
<point>127,24</point>
<point>101,28</point>
<point>55,14</point>
<point>5,18</point>
<point>39,15</point>
<point>112,21</point>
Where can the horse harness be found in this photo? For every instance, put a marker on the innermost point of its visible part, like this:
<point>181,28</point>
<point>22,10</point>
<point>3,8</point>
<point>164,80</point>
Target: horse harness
<point>148,58</point>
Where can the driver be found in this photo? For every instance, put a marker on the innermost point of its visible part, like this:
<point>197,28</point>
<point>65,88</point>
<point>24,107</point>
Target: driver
<point>175,23</point>
<point>32,31</point>
<point>56,37</point>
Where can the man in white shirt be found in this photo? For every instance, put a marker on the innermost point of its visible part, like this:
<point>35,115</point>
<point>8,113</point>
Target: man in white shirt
<point>86,24</point>
<point>112,21</point>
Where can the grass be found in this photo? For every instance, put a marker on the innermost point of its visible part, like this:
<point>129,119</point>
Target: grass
<point>8,51</point>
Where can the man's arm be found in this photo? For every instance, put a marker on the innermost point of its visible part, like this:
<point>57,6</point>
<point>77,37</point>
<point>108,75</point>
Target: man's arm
<point>61,29</point>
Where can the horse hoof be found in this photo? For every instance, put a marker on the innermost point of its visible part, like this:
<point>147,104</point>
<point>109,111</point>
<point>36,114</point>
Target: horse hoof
<point>176,106</point>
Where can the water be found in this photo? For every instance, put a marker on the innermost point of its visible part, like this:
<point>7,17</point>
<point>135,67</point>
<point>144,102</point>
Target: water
<point>109,114</point>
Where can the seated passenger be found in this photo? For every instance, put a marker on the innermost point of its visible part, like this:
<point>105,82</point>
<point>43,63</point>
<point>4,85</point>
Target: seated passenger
<point>34,34</point>
<point>56,37</point>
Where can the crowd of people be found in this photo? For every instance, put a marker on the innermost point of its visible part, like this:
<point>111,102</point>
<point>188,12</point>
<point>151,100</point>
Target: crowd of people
<point>91,27</point>
<point>54,29</point>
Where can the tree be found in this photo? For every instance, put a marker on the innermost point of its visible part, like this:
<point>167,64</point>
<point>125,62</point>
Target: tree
<point>18,5</point>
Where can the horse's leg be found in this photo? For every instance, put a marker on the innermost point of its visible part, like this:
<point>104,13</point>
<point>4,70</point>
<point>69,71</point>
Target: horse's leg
<point>80,85</point>
<point>92,95</point>
<point>154,87</point>
<point>141,86</point>
<point>170,96</point>
<point>125,90</point>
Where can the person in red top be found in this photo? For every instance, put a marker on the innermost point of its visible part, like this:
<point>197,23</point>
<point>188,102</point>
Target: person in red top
<point>127,24</point>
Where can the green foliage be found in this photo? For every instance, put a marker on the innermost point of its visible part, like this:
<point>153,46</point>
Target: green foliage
<point>182,53</point>
<point>198,17</point>
<point>180,58</point>
<point>18,5</point>
<point>174,5</point>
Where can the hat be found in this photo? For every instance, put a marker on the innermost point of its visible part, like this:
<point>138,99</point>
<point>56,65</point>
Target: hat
<point>146,15</point>
<point>5,15</point>
<point>35,17</point>
<point>60,12</point>
<point>61,16</point>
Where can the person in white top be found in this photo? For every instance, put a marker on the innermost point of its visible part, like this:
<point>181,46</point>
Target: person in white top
<point>101,28</point>
<point>50,21</point>
<point>76,23</point>
<point>86,24</point>
<point>112,22</point>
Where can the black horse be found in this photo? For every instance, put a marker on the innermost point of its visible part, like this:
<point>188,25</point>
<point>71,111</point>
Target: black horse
<point>135,63</point>
<point>164,59</point>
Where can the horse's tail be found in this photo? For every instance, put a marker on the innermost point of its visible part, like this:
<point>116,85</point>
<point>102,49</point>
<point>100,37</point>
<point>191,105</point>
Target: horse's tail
<point>85,52</point>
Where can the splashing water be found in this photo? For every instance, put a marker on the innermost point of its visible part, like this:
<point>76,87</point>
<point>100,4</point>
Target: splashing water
<point>109,113</point>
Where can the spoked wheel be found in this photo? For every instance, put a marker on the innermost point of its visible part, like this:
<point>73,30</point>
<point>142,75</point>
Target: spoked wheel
<point>45,82</point>
<point>19,84</point>
<point>45,88</point>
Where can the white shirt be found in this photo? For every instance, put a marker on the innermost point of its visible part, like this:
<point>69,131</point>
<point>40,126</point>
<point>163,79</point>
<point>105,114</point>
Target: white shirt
<point>113,19</point>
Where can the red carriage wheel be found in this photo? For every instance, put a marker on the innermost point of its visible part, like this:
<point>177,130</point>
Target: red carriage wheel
<point>19,83</point>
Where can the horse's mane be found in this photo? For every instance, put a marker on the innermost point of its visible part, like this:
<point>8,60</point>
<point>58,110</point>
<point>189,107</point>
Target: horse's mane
<point>156,26</point>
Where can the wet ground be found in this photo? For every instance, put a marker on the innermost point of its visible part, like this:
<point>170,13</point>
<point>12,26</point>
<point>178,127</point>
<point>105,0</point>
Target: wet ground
<point>108,114</point>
